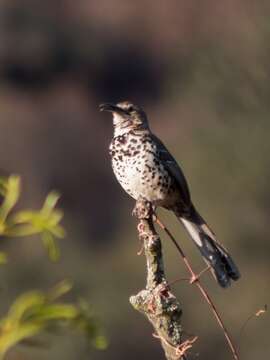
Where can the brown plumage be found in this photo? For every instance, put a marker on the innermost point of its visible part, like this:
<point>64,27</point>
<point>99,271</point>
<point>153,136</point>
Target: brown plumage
<point>146,169</point>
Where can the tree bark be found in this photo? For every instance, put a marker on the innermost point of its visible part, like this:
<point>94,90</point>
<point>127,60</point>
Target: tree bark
<point>156,301</point>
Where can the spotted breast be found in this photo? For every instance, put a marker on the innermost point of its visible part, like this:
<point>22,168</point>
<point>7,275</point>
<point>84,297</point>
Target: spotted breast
<point>146,169</point>
<point>137,167</point>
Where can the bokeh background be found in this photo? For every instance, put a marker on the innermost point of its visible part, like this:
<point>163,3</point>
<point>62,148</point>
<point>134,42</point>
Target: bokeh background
<point>201,71</point>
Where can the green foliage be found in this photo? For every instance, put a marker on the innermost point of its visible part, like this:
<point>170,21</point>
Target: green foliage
<point>45,222</point>
<point>34,312</point>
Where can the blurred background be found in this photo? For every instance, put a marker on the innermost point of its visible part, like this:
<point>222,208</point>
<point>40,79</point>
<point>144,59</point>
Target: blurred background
<point>201,71</point>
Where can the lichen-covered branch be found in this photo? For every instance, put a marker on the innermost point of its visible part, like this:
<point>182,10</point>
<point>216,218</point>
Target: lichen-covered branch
<point>156,301</point>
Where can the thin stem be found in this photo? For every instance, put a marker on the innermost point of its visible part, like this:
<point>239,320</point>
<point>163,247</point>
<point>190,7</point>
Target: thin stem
<point>201,289</point>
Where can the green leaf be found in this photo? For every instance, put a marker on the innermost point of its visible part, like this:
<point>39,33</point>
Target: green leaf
<point>24,216</point>
<point>45,222</point>
<point>58,231</point>
<point>3,185</point>
<point>54,217</point>
<point>21,230</point>
<point>51,246</point>
<point>59,312</point>
<point>59,290</point>
<point>50,203</point>
<point>10,337</point>
<point>11,196</point>
<point>34,312</point>
<point>25,303</point>
<point>100,342</point>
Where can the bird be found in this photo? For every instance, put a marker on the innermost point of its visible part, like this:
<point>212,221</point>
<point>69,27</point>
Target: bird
<point>145,169</point>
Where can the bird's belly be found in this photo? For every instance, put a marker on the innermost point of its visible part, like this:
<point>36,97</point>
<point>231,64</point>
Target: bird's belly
<point>144,178</point>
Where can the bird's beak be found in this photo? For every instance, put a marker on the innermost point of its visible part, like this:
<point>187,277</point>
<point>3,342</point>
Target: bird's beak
<point>111,108</point>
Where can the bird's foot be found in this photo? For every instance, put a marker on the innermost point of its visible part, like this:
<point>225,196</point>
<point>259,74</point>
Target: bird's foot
<point>142,209</point>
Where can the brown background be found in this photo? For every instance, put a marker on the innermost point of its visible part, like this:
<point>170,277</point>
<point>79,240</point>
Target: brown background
<point>201,71</point>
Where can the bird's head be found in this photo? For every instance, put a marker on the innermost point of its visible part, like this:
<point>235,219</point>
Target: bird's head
<point>126,116</point>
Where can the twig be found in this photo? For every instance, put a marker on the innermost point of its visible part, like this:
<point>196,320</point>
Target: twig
<point>182,348</point>
<point>190,280</point>
<point>195,279</point>
<point>252,316</point>
<point>156,301</point>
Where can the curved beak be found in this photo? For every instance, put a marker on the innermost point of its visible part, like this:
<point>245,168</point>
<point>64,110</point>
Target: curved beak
<point>111,108</point>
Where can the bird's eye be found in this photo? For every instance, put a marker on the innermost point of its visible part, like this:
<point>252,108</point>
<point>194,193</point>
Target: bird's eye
<point>130,108</point>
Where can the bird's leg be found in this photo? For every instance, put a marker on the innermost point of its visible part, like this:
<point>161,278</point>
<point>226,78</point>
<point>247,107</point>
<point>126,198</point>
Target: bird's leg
<point>142,212</point>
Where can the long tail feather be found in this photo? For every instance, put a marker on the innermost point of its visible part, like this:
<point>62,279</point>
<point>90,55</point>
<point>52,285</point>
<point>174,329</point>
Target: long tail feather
<point>222,265</point>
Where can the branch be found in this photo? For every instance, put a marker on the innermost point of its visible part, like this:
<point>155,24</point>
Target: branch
<point>157,302</point>
<point>195,279</point>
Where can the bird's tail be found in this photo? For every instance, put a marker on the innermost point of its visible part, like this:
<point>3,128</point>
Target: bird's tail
<point>222,265</point>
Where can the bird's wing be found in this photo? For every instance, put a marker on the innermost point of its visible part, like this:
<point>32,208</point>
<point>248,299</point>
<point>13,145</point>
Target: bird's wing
<point>173,168</point>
